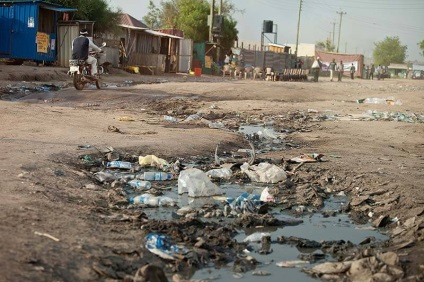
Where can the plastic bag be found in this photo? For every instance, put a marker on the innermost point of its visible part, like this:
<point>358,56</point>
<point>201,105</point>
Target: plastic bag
<point>196,183</point>
<point>266,196</point>
<point>255,237</point>
<point>163,246</point>
<point>152,160</point>
<point>224,173</point>
<point>264,172</point>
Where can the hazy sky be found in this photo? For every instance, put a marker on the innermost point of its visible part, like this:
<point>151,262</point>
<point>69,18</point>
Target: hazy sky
<point>365,21</point>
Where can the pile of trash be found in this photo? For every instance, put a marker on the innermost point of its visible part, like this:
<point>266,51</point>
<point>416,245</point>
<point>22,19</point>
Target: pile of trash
<point>195,235</point>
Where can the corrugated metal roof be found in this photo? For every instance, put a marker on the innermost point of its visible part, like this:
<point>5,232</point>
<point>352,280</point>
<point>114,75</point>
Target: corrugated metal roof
<point>398,66</point>
<point>278,45</point>
<point>157,33</point>
<point>130,22</point>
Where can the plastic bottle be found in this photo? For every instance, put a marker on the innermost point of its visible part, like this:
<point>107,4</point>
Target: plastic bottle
<point>146,199</point>
<point>119,164</point>
<point>170,118</point>
<point>156,176</point>
<point>140,184</point>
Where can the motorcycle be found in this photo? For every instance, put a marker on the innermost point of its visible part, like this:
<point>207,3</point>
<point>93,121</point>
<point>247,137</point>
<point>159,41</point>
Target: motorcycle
<point>81,72</point>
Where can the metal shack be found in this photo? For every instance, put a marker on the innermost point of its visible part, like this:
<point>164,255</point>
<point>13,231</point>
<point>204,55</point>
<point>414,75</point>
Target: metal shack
<point>28,30</point>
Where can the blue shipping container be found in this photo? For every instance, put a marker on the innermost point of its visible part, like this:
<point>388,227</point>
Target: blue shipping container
<point>28,30</point>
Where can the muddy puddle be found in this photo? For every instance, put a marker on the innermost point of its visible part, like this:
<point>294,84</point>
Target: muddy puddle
<point>300,226</point>
<point>285,256</point>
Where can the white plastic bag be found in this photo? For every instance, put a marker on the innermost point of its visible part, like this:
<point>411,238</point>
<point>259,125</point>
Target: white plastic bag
<point>266,196</point>
<point>196,183</point>
<point>224,173</point>
<point>264,172</point>
<point>153,161</point>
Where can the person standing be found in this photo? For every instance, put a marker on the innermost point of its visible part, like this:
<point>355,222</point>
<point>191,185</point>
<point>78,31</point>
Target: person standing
<point>332,68</point>
<point>340,69</point>
<point>316,66</point>
<point>80,50</point>
<point>367,72</point>
<point>352,71</point>
<point>299,64</point>
<point>372,70</point>
<point>378,72</point>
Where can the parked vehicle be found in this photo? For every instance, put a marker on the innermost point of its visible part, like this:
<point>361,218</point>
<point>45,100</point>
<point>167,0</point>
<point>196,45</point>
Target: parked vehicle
<point>418,74</point>
<point>81,72</point>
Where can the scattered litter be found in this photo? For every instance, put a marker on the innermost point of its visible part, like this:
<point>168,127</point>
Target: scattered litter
<point>125,118</point>
<point>222,173</point>
<point>140,184</point>
<point>152,200</point>
<point>46,235</point>
<point>84,146</point>
<point>157,176</point>
<point>196,183</point>
<point>245,203</point>
<point>307,158</point>
<point>216,125</point>
<point>264,172</point>
<point>153,161</point>
<point>266,196</point>
<point>113,128</point>
<point>255,237</point>
<point>291,263</point>
<point>170,118</point>
<point>396,116</point>
<point>119,164</point>
<point>193,117</point>
<point>163,246</point>
<point>388,101</point>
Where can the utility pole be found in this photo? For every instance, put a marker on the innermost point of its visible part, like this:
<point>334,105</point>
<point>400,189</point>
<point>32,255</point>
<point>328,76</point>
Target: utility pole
<point>340,27</point>
<point>334,30</point>
<point>218,49</point>
<point>298,26</point>
<point>211,23</point>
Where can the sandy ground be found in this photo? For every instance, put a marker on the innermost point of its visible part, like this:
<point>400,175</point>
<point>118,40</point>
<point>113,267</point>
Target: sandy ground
<point>44,190</point>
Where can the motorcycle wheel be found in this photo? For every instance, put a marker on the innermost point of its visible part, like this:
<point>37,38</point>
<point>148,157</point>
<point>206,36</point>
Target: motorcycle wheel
<point>78,84</point>
<point>98,84</point>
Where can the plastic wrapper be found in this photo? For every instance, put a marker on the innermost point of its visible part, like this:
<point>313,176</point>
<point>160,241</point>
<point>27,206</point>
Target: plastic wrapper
<point>264,172</point>
<point>196,183</point>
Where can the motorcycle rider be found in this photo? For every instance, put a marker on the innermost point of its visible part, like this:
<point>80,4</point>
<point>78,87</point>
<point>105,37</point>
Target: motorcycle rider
<point>80,50</point>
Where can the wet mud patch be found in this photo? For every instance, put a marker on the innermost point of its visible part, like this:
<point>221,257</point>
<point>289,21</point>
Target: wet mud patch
<point>218,241</point>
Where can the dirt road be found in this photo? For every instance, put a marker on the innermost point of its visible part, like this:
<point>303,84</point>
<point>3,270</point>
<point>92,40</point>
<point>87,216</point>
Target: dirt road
<point>47,190</point>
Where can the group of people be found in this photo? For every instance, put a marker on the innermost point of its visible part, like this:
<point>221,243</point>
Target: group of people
<point>339,68</point>
<point>333,67</point>
<point>380,70</point>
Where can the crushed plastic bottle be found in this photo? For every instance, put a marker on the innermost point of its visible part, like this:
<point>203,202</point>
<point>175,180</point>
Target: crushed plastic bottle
<point>156,176</point>
<point>216,125</point>
<point>152,200</point>
<point>145,199</point>
<point>170,118</point>
<point>119,164</point>
<point>224,173</point>
<point>140,184</point>
<point>163,246</point>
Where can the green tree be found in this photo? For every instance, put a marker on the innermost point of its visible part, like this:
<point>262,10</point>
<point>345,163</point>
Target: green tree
<point>152,19</point>
<point>191,17</point>
<point>421,44</point>
<point>94,10</point>
<point>388,51</point>
<point>326,45</point>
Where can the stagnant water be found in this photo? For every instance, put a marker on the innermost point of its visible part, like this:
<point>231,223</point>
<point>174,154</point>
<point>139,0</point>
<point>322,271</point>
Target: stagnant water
<point>310,225</point>
<point>315,226</point>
